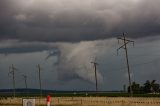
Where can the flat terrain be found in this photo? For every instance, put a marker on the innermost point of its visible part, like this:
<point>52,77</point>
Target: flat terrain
<point>88,101</point>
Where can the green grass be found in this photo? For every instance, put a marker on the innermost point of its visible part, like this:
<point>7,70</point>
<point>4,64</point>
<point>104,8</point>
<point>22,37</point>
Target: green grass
<point>79,94</point>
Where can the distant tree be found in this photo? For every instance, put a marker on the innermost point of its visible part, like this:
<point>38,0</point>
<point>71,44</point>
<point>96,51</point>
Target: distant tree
<point>135,87</point>
<point>154,86</point>
<point>142,89</point>
<point>147,87</point>
<point>151,86</point>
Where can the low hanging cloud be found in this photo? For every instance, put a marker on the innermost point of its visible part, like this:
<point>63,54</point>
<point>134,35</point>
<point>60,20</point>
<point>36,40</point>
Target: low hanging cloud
<point>16,46</point>
<point>74,61</point>
<point>74,20</point>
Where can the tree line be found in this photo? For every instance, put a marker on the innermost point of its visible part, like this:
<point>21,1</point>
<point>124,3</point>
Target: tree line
<point>147,87</point>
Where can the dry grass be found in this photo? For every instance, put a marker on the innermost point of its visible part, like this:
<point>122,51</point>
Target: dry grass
<point>88,101</point>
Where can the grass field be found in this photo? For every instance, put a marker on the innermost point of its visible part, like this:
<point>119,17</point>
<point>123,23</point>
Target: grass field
<point>79,94</point>
<point>88,101</point>
<point>84,99</point>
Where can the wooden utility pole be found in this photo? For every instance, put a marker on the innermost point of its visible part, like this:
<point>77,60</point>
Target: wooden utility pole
<point>12,68</point>
<point>25,80</point>
<point>124,46</point>
<point>95,69</point>
<point>39,71</point>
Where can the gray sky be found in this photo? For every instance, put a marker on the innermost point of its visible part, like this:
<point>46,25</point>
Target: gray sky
<point>64,36</point>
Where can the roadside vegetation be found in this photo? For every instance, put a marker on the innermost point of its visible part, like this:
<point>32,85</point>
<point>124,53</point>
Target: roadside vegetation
<point>149,87</point>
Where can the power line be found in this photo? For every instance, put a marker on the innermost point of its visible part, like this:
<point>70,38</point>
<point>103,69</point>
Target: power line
<point>124,46</point>
<point>134,65</point>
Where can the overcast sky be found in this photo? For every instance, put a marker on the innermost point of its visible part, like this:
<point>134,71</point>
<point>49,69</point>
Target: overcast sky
<point>64,37</point>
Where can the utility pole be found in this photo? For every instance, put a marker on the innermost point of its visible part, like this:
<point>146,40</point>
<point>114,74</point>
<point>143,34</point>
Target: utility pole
<point>124,88</point>
<point>124,46</point>
<point>13,78</point>
<point>39,71</point>
<point>95,69</point>
<point>25,80</point>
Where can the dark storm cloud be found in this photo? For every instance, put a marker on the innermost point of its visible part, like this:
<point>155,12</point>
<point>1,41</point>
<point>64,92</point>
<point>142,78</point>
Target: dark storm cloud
<point>38,20</point>
<point>9,47</point>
